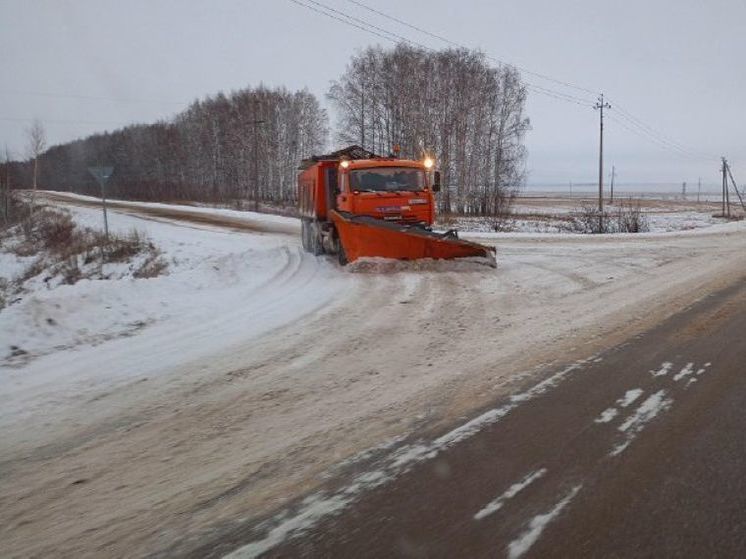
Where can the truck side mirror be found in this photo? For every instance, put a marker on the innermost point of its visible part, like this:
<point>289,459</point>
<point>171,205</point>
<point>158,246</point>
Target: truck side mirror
<point>436,181</point>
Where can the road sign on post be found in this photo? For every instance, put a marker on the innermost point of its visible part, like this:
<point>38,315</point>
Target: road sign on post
<point>102,174</point>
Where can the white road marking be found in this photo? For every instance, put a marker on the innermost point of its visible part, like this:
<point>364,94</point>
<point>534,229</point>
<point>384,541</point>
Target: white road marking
<point>286,525</point>
<point>685,372</point>
<point>644,414</point>
<point>607,415</point>
<point>664,369</point>
<point>610,413</point>
<point>536,526</point>
<point>496,504</point>
<point>698,373</point>
<point>629,397</point>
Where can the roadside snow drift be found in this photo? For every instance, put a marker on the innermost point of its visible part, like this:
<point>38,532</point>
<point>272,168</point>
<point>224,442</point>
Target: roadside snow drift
<point>221,289</point>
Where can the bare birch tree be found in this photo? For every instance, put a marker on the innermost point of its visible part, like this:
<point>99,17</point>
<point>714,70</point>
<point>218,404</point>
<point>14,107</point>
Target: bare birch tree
<point>450,104</point>
<point>5,180</point>
<point>37,142</point>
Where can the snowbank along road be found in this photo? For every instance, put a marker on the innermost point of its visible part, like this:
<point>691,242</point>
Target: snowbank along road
<point>157,415</point>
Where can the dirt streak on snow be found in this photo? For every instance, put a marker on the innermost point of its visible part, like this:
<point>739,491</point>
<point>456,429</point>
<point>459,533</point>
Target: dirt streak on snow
<point>265,372</point>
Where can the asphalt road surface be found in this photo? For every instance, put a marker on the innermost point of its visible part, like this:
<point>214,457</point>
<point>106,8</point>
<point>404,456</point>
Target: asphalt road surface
<point>637,452</point>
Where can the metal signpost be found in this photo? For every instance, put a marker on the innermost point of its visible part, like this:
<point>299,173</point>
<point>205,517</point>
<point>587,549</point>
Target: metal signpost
<point>102,175</point>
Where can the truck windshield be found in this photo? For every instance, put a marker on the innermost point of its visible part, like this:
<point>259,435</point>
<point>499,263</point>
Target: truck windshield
<point>388,179</point>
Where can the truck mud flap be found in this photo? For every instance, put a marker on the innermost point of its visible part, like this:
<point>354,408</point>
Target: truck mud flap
<point>363,236</point>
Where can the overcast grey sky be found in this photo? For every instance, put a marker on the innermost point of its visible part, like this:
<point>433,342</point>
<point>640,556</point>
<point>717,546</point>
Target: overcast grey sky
<point>83,66</point>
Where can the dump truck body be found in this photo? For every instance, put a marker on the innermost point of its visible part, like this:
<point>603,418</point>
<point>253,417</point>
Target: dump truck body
<point>373,206</point>
<point>315,190</point>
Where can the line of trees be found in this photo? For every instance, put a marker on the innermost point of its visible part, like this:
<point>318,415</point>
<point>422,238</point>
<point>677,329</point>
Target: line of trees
<point>451,104</point>
<point>241,146</point>
<point>247,145</point>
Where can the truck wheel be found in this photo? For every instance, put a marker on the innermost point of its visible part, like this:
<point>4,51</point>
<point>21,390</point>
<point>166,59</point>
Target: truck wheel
<point>304,235</point>
<point>341,256</point>
<point>316,245</point>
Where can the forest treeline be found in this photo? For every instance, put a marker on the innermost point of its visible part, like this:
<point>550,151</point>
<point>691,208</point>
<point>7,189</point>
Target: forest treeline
<point>209,152</point>
<point>246,145</point>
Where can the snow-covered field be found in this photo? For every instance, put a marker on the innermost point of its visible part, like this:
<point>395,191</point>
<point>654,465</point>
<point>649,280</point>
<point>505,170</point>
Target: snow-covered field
<point>252,370</point>
<point>552,214</point>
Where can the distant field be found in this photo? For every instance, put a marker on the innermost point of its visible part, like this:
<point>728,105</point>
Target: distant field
<point>552,212</point>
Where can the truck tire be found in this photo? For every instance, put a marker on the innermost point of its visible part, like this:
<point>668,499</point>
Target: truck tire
<point>304,235</point>
<point>315,242</point>
<point>342,256</point>
<point>337,248</point>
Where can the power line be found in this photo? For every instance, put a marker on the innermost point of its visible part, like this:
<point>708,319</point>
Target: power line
<point>363,22</point>
<point>343,17</point>
<point>640,124</point>
<point>642,134</point>
<point>58,121</point>
<point>649,133</point>
<point>92,97</point>
<point>537,88</point>
<point>341,20</point>
<point>558,95</point>
<point>662,144</point>
<point>453,43</point>
<point>642,129</point>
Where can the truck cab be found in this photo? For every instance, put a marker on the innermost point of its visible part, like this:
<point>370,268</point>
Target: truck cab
<point>388,189</point>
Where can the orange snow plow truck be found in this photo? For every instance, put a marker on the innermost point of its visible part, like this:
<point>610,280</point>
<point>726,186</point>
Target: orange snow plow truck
<point>356,204</point>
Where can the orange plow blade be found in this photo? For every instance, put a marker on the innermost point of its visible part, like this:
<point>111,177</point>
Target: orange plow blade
<point>363,236</point>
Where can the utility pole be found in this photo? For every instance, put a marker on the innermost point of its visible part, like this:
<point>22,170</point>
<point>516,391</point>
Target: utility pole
<point>613,176</point>
<point>362,107</point>
<point>726,200</point>
<point>601,105</point>
<point>6,211</point>
<point>735,187</point>
<point>699,189</point>
<point>683,190</point>
<point>571,189</point>
<point>256,155</point>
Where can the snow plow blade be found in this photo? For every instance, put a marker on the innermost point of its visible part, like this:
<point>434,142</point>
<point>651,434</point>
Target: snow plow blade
<point>363,236</point>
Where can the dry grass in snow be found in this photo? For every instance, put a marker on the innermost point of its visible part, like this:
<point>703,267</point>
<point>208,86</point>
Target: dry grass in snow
<point>47,249</point>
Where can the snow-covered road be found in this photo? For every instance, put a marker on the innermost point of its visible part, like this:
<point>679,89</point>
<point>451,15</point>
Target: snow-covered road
<point>256,368</point>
